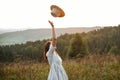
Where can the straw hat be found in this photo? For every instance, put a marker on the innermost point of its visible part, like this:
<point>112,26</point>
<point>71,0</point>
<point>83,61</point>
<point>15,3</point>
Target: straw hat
<point>57,11</point>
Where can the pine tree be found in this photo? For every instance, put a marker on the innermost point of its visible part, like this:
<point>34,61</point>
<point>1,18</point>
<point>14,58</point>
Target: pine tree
<point>77,47</point>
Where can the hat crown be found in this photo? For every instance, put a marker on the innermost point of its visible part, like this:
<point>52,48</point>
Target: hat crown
<point>57,11</point>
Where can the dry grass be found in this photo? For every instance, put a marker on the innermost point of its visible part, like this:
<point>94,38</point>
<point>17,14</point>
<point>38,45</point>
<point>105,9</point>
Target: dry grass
<point>93,67</point>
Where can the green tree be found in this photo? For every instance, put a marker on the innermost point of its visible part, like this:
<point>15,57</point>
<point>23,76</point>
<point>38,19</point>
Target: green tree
<point>114,50</point>
<point>77,47</point>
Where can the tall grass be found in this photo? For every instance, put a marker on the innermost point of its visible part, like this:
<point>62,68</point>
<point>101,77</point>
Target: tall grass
<point>92,67</point>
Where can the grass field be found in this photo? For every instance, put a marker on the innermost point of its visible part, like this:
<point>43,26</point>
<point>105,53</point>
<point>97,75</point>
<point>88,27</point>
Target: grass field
<point>93,67</point>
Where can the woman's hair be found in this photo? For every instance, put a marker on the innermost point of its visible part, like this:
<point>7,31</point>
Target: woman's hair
<point>46,48</point>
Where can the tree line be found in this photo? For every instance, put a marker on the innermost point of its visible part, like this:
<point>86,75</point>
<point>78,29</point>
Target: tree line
<point>70,46</point>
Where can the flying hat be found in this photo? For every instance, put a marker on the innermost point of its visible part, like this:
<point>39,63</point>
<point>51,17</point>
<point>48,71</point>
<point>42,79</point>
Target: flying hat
<point>57,11</point>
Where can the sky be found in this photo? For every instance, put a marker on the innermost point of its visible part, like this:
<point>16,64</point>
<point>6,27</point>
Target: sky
<point>29,14</point>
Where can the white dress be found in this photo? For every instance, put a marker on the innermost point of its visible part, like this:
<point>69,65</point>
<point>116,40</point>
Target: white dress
<point>57,71</point>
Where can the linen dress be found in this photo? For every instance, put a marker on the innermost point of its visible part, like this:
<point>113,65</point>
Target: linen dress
<point>57,71</point>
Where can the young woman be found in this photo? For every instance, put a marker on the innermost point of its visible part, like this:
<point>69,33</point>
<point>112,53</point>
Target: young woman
<point>57,71</point>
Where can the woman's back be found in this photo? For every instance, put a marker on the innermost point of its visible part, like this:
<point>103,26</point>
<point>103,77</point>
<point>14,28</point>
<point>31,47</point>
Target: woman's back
<point>57,71</point>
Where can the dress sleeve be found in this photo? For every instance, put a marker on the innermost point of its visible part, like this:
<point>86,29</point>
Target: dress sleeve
<point>50,54</point>
<point>51,50</point>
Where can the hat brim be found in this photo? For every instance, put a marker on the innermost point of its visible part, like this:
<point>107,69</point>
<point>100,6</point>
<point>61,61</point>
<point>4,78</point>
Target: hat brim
<point>59,11</point>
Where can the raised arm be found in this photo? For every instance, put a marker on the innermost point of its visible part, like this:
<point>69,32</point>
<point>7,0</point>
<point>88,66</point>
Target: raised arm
<point>53,34</point>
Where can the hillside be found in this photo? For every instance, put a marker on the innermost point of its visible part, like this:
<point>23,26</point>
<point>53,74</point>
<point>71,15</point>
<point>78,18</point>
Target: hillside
<point>104,41</point>
<point>20,61</point>
<point>37,34</point>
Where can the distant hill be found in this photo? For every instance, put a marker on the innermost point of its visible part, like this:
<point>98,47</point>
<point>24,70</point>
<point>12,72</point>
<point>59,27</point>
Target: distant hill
<point>19,37</point>
<point>7,30</point>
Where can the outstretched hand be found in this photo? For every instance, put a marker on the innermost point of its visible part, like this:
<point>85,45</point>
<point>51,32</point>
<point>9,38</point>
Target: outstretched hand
<point>51,23</point>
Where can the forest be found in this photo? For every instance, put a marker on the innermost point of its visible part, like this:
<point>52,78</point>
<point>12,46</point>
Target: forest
<point>103,41</point>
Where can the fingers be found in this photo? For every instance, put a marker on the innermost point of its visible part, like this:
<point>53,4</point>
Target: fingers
<point>51,23</point>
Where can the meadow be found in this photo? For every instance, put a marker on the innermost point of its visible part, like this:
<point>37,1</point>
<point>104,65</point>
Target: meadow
<point>92,67</point>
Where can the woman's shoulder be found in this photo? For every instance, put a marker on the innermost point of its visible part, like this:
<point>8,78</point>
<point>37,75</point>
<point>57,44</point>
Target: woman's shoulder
<point>51,50</point>
<point>51,46</point>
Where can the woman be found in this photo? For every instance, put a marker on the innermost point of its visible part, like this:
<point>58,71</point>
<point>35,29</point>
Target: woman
<point>57,71</point>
